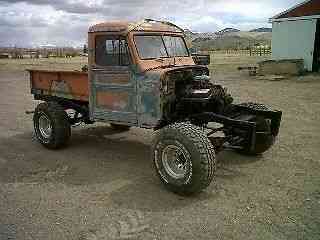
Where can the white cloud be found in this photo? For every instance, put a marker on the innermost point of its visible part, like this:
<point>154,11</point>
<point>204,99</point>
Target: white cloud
<point>64,22</point>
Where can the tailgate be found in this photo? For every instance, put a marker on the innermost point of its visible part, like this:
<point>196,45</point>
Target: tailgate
<point>64,84</point>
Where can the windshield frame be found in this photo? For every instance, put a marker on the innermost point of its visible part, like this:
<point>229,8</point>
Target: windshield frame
<point>160,35</point>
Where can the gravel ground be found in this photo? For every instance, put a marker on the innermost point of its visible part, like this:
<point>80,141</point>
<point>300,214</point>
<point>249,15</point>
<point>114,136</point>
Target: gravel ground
<point>103,186</point>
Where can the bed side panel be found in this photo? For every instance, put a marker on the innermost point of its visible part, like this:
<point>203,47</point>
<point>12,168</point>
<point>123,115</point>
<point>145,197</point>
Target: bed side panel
<point>65,84</point>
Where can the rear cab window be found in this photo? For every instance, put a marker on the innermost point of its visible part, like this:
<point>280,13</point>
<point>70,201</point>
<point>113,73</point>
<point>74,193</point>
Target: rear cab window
<point>111,51</point>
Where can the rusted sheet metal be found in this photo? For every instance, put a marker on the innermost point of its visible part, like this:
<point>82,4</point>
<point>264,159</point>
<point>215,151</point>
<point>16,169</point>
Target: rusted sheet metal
<point>146,65</point>
<point>148,99</point>
<point>142,65</point>
<point>125,27</point>
<point>114,101</point>
<point>112,26</point>
<point>115,116</point>
<point>122,28</point>
<point>114,78</point>
<point>113,94</point>
<point>65,84</point>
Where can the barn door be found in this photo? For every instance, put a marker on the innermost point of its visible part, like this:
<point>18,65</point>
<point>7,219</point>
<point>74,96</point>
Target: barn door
<point>316,53</point>
<point>113,87</point>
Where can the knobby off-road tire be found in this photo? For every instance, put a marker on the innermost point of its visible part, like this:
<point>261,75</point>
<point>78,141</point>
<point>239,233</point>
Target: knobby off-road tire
<point>191,155</point>
<point>263,142</point>
<point>51,125</point>
<point>119,127</point>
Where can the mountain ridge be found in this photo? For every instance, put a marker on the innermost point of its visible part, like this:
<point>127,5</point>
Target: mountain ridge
<point>229,38</point>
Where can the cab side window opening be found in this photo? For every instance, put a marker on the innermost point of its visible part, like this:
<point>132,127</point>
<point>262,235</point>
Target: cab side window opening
<point>111,51</point>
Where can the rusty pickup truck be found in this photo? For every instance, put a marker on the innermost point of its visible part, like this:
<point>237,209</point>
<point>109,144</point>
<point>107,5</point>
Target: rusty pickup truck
<point>142,74</point>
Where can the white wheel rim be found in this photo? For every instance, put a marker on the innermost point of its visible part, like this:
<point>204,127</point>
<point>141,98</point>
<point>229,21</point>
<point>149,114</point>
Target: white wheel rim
<point>175,161</point>
<point>45,127</point>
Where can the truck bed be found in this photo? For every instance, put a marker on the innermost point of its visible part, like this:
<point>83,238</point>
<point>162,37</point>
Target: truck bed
<point>72,85</point>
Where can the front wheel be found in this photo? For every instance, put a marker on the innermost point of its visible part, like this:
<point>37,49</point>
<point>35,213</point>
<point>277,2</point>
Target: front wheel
<point>184,158</point>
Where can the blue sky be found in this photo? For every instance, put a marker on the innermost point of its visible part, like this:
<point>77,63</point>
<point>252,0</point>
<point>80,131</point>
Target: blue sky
<point>65,22</point>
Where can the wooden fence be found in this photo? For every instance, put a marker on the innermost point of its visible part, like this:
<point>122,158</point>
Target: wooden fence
<point>245,52</point>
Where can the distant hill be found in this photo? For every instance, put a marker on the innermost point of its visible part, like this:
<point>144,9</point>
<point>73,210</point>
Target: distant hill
<point>261,30</point>
<point>229,38</point>
<point>199,36</point>
<point>201,39</point>
<point>227,30</point>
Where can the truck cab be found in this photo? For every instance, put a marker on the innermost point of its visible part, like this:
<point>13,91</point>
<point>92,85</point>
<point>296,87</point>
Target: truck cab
<point>127,66</point>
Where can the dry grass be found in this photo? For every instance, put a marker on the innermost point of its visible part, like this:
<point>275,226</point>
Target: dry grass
<point>219,63</point>
<point>103,186</point>
<point>43,63</point>
<point>224,63</point>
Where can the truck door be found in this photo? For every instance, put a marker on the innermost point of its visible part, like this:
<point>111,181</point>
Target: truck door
<point>113,87</point>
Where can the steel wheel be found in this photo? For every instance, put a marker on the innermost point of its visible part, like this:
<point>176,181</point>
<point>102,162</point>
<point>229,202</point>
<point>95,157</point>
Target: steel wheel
<point>175,161</point>
<point>45,126</point>
<point>184,158</point>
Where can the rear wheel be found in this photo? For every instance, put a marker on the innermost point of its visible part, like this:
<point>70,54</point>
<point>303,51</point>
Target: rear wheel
<point>184,158</point>
<point>51,125</point>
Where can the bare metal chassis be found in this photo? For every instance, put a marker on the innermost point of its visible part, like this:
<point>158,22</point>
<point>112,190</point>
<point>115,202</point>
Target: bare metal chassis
<point>248,126</point>
<point>228,120</point>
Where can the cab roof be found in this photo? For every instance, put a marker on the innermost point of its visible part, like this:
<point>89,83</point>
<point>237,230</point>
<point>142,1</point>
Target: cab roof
<point>147,25</point>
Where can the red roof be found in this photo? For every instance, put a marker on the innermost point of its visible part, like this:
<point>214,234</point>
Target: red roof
<point>307,8</point>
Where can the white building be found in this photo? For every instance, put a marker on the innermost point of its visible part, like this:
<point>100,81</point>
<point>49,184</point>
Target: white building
<point>296,34</point>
